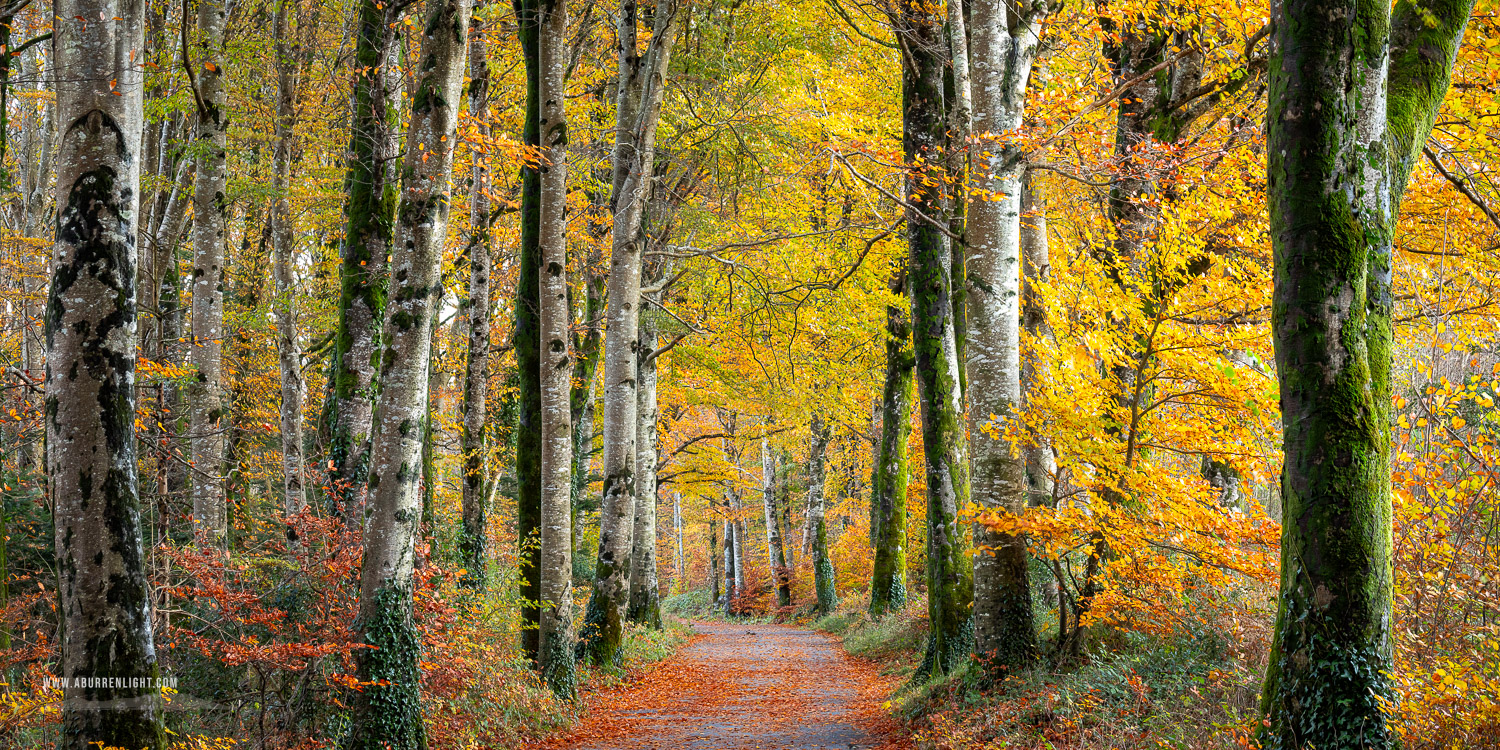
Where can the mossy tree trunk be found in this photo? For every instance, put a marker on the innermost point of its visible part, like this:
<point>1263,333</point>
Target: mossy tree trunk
<point>889,480</point>
<point>950,573</point>
<point>371,182</point>
<point>104,604</point>
<point>555,653</point>
<point>1005,42</point>
<point>526,338</point>
<point>208,415</point>
<point>474,540</point>
<point>388,714</point>
<point>1354,90</point>
<point>642,84</point>
<point>817,521</point>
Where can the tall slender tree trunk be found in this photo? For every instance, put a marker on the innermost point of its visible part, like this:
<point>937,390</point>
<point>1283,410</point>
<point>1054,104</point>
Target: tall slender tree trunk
<point>645,599</point>
<point>817,510</point>
<point>526,337</point>
<point>950,577</point>
<point>208,421</point>
<point>679,585</point>
<point>888,485</point>
<point>775,550</point>
<point>388,713</point>
<point>641,87</point>
<point>1036,269</point>
<point>555,654</point>
<point>371,182</point>
<point>714,594</point>
<point>1352,99</point>
<point>290,63</point>
<point>958,94</point>
<point>1004,48</point>
<point>105,609</point>
<point>474,542</point>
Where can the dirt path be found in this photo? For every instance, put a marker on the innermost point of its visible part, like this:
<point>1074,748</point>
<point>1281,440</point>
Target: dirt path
<point>745,687</point>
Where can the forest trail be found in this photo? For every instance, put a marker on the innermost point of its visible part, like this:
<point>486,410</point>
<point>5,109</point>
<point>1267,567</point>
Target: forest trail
<point>746,687</point>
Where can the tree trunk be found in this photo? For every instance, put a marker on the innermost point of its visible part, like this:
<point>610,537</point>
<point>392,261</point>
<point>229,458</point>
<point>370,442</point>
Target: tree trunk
<point>105,617</point>
<point>775,550</point>
<point>713,557</point>
<point>642,83</point>
<point>1349,109</point>
<point>474,540</point>
<point>555,654</point>
<point>371,181</point>
<point>208,421</point>
<point>1036,268</point>
<point>645,598</point>
<point>388,715</point>
<point>1004,48</point>
<point>888,485</point>
<point>950,582</point>
<point>817,508</point>
<point>291,58</point>
<point>680,584</point>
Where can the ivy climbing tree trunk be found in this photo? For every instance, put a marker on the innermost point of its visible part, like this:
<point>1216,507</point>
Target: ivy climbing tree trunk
<point>645,599</point>
<point>104,605</point>
<point>817,521</point>
<point>474,541</point>
<point>388,714</point>
<point>371,182</point>
<point>1354,90</point>
<point>208,417</point>
<point>888,484</point>
<point>526,336</point>
<point>555,654</point>
<point>642,84</point>
<point>1003,50</point>
<point>950,574</point>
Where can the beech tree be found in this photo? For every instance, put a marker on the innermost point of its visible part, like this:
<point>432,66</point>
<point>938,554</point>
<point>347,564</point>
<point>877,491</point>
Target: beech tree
<point>892,470</point>
<point>1353,94</point>
<point>387,713</point>
<point>105,609</point>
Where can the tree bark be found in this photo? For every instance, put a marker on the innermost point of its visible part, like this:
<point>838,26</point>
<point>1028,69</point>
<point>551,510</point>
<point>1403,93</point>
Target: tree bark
<point>888,485</point>
<point>291,57</point>
<point>775,549</point>
<point>1004,48</point>
<point>1353,93</point>
<point>474,541</point>
<point>950,581</point>
<point>105,615</point>
<point>641,87</point>
<point>526,336</point>
<point>645,598</point>
<point>1036,269</point>
<point>371,181</point>
<point>817,509</point>
<point>208,419</point>
<point>388,714</point>
<point>555,654</point>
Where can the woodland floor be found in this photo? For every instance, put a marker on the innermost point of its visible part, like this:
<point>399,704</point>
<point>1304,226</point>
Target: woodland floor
<point>743,687</point>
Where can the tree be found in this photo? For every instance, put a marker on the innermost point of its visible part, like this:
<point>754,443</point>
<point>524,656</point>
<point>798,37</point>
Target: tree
<point>950,576</point>
<point>817,521</point>
<point>387,713</point>
<point>208,420</point>
<point>775,547</point>
<point>474,543</point>
<point>105,609</point>
<point>1353,94</point>
<point>888,484</point>
<point>641,86</point>
<point>526,337</point>
<point>1004,46</point>
<point>292,56</point>
<point>645,599</point>
<point>370,181</point>
<point>555,653</point>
